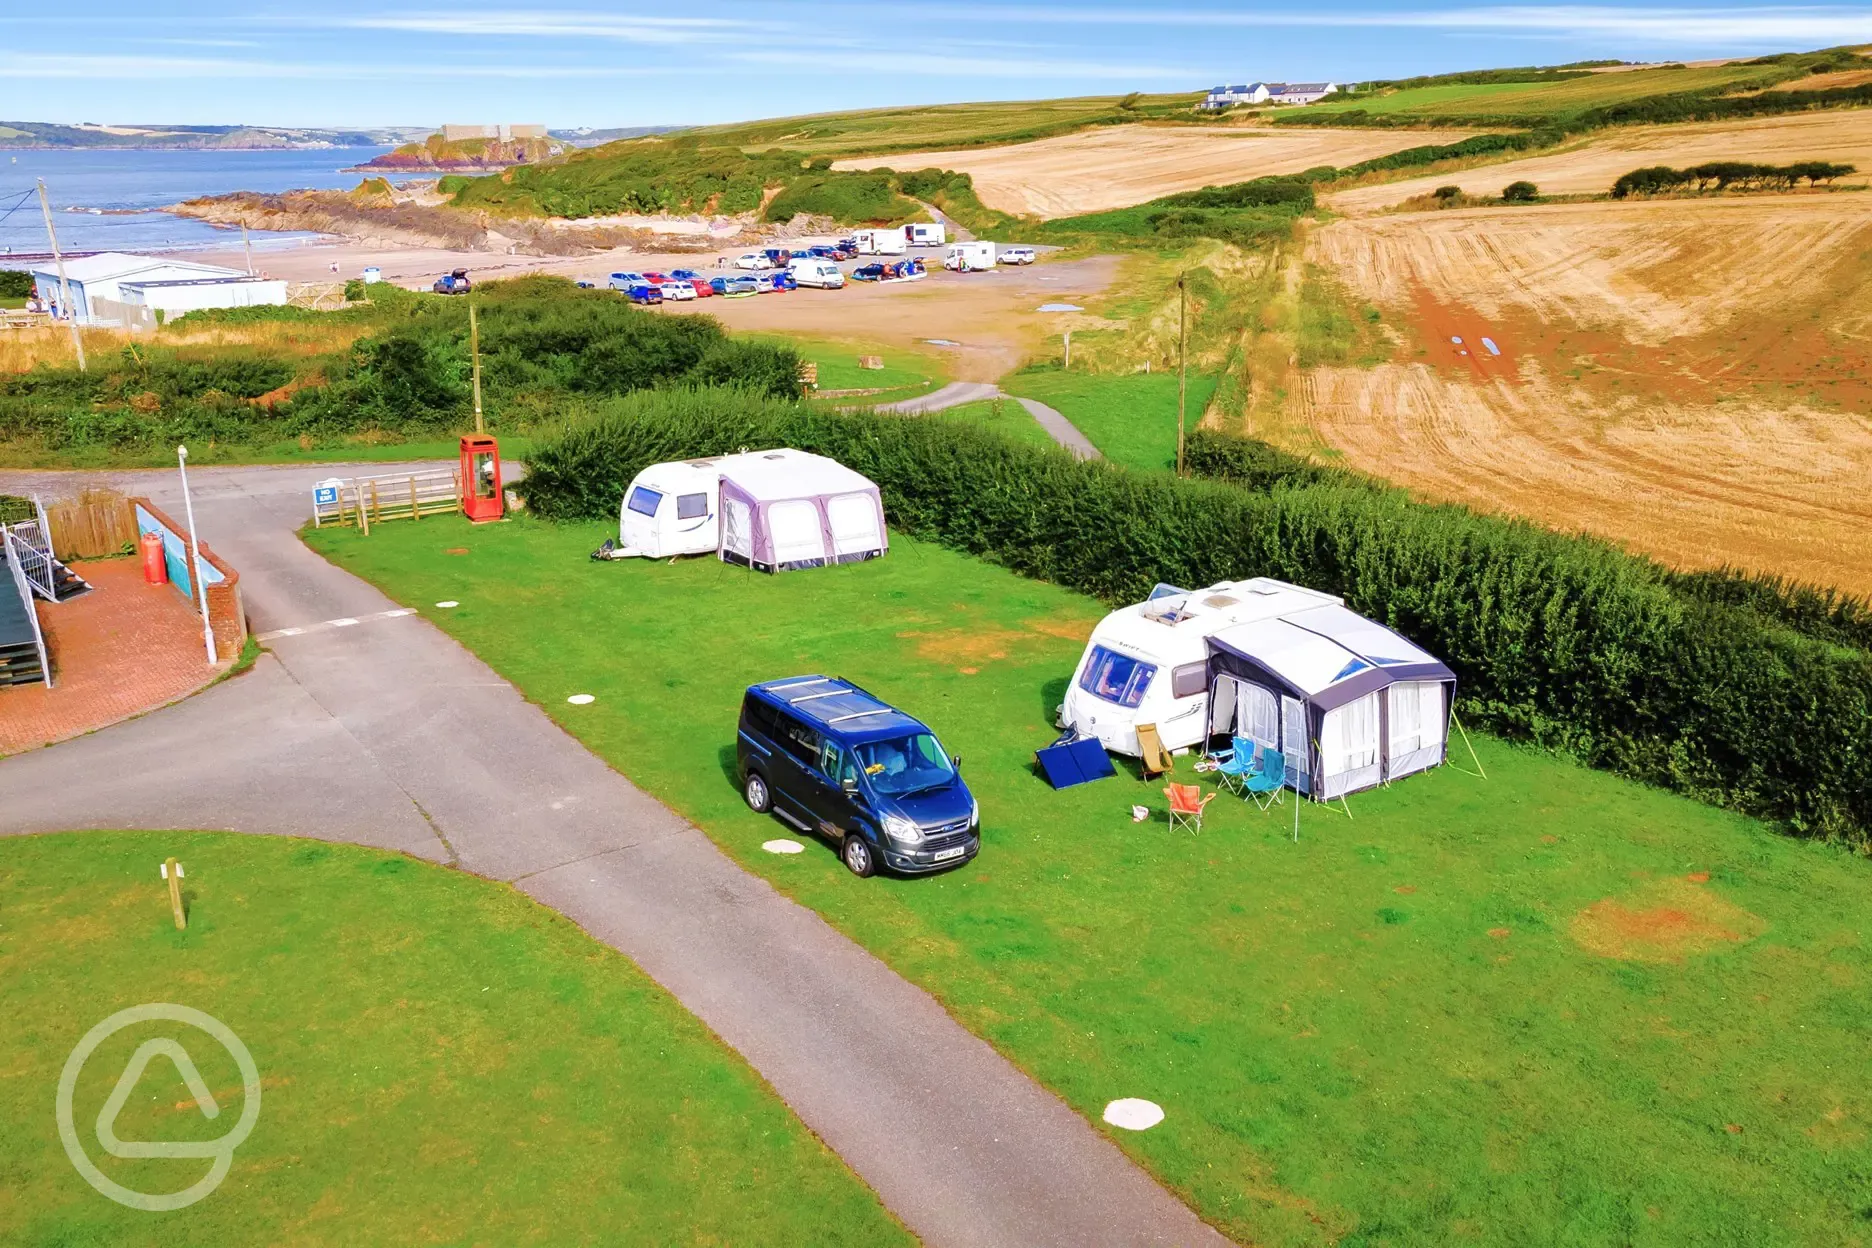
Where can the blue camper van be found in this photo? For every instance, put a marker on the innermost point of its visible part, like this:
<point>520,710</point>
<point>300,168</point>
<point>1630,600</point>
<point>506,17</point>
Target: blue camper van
<point>829,758</point>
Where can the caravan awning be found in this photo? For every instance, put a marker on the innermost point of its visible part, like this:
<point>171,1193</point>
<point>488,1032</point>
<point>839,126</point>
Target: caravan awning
<point>1326,655</point>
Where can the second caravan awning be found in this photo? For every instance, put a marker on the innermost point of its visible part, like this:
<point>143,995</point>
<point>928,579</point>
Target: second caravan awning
<point>1326,655</point>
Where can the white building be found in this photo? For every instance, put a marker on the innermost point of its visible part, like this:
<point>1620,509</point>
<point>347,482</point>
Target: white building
<point>1269,93</point>
<point>504,132</point>
<point>1248,93</point>
<point>113,288</point>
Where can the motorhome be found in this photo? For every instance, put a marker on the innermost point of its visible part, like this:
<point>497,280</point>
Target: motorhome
<point>926,233</point>
<point>969,257</point>
<point>812,271</point>
<point>881,242</point>
<point>1149,663</point>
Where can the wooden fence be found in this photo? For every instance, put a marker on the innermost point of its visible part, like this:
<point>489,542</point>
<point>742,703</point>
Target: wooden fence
<point>365,501</point>
<point>99,523</point>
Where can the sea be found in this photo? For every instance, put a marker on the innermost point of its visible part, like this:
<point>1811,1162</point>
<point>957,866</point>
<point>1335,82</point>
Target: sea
<point>105,199</point>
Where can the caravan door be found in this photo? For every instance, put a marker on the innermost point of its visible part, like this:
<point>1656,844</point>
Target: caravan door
<point>737,536</point>
<point>854,521</point>
<point>1294,733</point>
<point>797,537</point>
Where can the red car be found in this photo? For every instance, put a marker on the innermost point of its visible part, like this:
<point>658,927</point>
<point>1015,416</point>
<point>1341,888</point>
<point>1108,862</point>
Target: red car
<point>671,287</point>
<point>702,288</point>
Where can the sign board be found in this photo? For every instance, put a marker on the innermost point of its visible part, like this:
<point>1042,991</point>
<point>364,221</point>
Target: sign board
<point>325,493</point>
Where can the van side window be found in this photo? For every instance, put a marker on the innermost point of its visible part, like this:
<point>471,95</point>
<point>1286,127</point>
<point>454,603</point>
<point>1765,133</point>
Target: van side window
<point>1189,680</point>
<point>691,506</point>
<point>797,739</point>
<point>762,718</point>
<point>829,759</point>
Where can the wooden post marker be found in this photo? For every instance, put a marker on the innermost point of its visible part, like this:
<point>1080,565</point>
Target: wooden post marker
<point>172,871</point>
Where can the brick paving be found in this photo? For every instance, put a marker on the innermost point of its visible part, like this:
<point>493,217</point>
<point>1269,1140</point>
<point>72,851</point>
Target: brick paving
<point>123,648</point>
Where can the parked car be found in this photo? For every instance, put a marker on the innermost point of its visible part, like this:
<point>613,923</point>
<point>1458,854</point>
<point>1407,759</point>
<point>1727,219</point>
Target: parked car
<point>455,283</point>
<point>582,284</point>
<point>624,281</point>
<point>849,246</point>
<point>868,273</point>
<point>643,292</point>
<point>1014,255</point>
<point>739,286</point>
<point>670,287</point>
<point>777,257</point>
<point>826,253</point>
<point>779,281</point>
<point>752,260</point>
<point>833,760</point>
<point>702,288</point>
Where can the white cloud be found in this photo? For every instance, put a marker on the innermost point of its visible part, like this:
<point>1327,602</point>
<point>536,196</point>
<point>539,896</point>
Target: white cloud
<point>894,61</point>
<point>177,68</point>
<point>626,28</point>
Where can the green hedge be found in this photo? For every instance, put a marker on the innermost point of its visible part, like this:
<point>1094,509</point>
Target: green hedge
<point>1560,640</point>
<point>15,283</point>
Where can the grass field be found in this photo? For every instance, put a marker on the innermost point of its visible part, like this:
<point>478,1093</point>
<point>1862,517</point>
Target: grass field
<point>442,1061</point>
<point>1553,1007</point>
<point>1549,99</point>
<point>905,372</point>
<point>1004,416</point>
<point>1130,417</point>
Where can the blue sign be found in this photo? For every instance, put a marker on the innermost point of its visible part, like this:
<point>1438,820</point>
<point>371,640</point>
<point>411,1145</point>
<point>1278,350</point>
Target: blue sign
<point>324,495</point>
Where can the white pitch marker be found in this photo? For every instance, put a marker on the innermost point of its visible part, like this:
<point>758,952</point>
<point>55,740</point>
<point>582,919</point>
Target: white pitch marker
<point>450,603</point>
<point>782,847</point>
<point>1134,1114</point>
<point>581,699</point>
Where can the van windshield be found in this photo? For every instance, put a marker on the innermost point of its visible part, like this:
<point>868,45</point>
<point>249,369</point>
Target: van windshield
<point>1116,677</point>
<point>903,765</point>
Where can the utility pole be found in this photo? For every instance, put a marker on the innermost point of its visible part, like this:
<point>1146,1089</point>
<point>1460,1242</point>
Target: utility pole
<point>1182,363</point>
<point>474,349</point>
<point>65,299</point>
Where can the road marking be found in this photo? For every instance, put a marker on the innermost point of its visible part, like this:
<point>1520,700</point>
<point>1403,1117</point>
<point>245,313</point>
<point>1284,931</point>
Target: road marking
<point>344,622</point>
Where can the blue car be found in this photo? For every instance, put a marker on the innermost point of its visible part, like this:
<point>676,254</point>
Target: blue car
<point>645,293</point>
<point>831,759</point>
<point>779,280</point>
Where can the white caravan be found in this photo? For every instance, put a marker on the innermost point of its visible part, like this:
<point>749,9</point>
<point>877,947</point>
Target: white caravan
<point>926,233</point>
<point>672,509</point>
<point>1149,663</point>
<point>881,242</point>
<point>812,271</point>
<point>969,257</point>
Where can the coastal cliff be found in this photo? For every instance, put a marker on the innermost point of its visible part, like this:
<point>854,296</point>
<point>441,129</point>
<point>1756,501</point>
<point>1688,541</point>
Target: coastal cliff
<point>436,154</point>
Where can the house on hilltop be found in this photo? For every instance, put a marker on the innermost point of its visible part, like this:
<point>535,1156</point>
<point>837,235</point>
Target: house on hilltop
<point>1269,93</point>
<point>504,132</point>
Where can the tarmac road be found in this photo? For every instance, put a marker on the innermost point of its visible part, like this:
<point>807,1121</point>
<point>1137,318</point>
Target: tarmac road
<point>388,733</point>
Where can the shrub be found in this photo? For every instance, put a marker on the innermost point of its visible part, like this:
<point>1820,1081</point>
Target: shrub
<point>1448,192</point>
<point>1520,193</point>
<point>15,283</point>
<point>845,197</point>
<point>1722,175</point>
<point>1561,640</point>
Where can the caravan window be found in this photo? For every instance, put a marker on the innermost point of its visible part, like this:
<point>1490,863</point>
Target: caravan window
<point>1189,680</point>
<point>644,501</point>
<point>1116,677</point>
<point>691,506</point>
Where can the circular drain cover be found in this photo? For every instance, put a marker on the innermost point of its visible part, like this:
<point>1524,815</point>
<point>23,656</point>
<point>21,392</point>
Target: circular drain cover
<point>1133,1114</point>
<point>581,699</point>
<point>782,847</point>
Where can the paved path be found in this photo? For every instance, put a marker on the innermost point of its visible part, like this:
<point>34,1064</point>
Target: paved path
<point>957,393</point>
<point>388,733</point>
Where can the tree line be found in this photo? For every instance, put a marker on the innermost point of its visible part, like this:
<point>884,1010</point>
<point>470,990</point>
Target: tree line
<point>1728,175</point>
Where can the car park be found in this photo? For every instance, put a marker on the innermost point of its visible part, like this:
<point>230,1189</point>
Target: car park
<point>836,761</point>
<point>702,288</point>
<point>739,286</point>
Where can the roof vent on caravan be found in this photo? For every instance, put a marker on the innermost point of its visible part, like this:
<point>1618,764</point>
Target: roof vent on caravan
<point>1219,601</point>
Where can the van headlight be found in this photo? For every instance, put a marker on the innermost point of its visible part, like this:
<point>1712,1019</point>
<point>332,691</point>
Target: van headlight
<point>900,829</point>
<point>974,813</point>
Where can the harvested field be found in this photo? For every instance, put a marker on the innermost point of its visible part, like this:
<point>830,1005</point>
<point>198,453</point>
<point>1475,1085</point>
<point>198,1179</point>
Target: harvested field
<point>1693,378</point>
<point>1843,135</point>
<point>1117,166</point>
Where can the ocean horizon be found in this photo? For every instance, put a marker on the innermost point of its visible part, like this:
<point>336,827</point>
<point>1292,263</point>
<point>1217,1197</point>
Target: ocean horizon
<point>109,199</point>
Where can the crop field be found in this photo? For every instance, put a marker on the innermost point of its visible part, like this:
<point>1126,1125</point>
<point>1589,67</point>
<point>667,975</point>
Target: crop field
<point>1843,136</point>
<point>955,125</point>
<point>1692,377</point>
<point>441,1061</point>
<point>1117,166</point>
<point>1548,1007</point>
<point>1552,99</point>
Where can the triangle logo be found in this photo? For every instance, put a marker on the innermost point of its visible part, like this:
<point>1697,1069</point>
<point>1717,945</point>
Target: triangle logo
<point>147,1052</point>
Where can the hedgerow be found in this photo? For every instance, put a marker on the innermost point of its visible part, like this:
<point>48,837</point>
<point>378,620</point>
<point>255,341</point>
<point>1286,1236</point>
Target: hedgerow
<point>1723,175</point>
<point>1560,640</point>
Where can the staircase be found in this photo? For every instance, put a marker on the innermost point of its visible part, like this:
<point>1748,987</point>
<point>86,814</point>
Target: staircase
<point>67,584</point>
<point>20,658</point>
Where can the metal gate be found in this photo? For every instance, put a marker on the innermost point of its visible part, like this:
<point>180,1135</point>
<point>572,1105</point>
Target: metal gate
<point>29,546</point>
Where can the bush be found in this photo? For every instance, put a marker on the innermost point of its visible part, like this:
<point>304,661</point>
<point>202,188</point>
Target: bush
<point>1723,175</point>
<point>15,284</point>
<point>850,198</point>
<point>1561,640</point>
<point>1520,193</point>
<point>1448,192</point>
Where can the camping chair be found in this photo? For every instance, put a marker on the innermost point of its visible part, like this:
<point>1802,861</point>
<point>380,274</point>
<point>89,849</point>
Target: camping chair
<point>1151,752</point>
<point>1269,778</point>
<point>1186,805</point>
<point>1233,767</point>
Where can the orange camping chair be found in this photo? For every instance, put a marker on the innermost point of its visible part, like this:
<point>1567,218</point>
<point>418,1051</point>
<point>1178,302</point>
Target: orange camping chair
<point>1186,806</point>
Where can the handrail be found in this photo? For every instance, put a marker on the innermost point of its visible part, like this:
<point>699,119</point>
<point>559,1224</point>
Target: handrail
<point>32,615</point>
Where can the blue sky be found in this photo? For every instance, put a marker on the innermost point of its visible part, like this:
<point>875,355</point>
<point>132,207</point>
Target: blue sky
<point>338,62</point>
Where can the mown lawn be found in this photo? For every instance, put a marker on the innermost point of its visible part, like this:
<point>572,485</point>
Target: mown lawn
<point>1004,416</point>
<point>1130,417</point>
<point>442,1062</point>
<point>1551,1007</point>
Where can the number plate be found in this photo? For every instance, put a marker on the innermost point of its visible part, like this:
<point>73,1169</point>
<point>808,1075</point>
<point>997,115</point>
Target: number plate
<point>944,855</point>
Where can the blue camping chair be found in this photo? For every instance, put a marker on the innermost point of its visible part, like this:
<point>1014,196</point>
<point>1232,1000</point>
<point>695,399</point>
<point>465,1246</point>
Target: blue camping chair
<point>1233,767</point>
<point>1268,779</point>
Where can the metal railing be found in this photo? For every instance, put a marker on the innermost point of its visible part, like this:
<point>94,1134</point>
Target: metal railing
<point>21,586</point>
<point>29,544</point>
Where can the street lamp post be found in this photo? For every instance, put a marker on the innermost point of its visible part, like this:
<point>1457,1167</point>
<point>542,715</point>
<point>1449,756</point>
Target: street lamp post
<point>195,569</point>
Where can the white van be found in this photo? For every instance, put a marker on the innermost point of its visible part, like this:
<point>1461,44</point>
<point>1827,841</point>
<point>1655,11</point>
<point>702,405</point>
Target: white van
<point>812,271</point>
<point>925,234</point>
<point>1015,255</point>
<point>1149,664</point>
<point>970,257</point>
<point>881,242</point>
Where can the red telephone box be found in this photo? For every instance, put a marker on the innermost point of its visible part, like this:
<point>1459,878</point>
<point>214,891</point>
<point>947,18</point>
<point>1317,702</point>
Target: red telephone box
<point>481,496</point>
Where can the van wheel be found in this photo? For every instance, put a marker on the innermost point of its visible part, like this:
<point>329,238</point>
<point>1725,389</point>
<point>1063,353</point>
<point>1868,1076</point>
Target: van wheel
<point>759,800</point>
<point>859,859</point>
